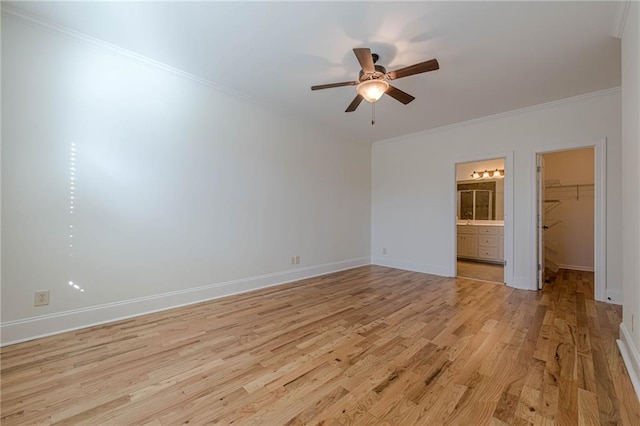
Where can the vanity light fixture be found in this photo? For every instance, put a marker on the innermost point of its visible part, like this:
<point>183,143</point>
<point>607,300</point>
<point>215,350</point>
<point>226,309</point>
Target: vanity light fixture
<point>487,174</point>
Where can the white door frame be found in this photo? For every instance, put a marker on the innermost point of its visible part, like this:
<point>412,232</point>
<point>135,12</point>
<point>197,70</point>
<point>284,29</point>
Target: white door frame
<point>540,216</point>
<point>508,211</point>
<point>600,210</point>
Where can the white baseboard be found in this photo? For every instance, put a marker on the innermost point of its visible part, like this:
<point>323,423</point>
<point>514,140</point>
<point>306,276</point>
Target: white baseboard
<point>411,266</point>
<point>46,325</point>
<point>631,357</point>
<point>611,295</point>
<point>523,283</point>
<point>577,268</point>
<point>614,296</point>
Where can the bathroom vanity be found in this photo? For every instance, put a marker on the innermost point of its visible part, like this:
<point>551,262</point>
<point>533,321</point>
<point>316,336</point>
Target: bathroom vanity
<point>481,240</point>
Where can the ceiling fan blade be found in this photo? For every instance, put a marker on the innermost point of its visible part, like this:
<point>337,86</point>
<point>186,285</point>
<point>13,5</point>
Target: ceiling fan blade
<point>366,60</point>
<point>354,104</point>
<point>430,65</point>
<point>399,95</point>
<point>330,85</point>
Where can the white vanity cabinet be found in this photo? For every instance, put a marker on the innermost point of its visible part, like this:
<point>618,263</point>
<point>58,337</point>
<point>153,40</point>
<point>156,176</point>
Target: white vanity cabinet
<point>481,242</point>
<point>467,242</point>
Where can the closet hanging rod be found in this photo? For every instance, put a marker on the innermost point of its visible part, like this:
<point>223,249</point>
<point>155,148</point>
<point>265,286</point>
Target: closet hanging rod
<point>570,186</point>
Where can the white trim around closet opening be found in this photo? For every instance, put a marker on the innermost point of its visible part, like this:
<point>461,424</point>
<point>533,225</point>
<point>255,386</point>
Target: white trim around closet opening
<point>600,210</point>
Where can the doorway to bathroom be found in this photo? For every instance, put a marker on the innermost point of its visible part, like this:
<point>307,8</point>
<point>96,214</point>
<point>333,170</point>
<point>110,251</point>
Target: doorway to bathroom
<point>480,220</point>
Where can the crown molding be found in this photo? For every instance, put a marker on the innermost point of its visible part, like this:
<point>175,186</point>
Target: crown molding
<point>60,30</point>
<point>6,10</point>
<point>505,114</point>
<point>69,33</point>
<point>620,19</point>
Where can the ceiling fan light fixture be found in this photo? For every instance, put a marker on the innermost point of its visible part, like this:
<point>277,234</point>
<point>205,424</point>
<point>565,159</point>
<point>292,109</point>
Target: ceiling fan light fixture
<point>372,90</point>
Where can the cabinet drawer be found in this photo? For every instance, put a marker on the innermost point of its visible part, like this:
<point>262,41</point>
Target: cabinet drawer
<point>491,230</point>
<point>488,252</point>
<point>467,229</point>
<point>488,241</point>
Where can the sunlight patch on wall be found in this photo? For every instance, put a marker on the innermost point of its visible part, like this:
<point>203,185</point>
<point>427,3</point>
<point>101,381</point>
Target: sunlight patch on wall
<point>72,206</point>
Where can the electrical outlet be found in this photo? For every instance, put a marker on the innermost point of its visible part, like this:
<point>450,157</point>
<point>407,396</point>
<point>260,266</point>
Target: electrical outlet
<point>41,298</point>
<point>384,250</point>
<point>297,260</point>
<point>292,260</point>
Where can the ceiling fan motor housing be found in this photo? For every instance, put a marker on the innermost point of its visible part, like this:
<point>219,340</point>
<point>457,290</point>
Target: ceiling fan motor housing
<point>379,74</point>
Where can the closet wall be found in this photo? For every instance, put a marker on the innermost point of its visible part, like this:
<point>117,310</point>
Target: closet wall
<point>569,177</point>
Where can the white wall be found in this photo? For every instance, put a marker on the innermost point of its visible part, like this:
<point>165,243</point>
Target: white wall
<point>412,180</point>
<point>183,192</point>
<point>573,236</point>
<point>630,328</point>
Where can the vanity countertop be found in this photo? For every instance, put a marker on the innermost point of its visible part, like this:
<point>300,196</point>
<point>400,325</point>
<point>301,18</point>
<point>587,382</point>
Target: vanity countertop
<point>482,222</point>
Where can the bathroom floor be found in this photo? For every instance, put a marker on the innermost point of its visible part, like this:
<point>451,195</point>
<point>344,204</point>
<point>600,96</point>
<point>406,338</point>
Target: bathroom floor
<point>481,271</point>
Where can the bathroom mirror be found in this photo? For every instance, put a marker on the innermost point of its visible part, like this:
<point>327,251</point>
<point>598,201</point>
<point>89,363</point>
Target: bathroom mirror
<point>481,200</point>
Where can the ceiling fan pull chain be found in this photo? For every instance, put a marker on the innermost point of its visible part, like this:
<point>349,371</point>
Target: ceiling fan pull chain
<point>373,113</point>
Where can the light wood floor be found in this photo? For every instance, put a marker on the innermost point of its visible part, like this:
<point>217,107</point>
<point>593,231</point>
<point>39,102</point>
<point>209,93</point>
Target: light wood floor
<point>481,271</point>
<point>372,345</point>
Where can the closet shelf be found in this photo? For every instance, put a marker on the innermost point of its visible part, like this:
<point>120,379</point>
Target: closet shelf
<point>551,253</point>
<point>551,204</point>
<point>560,191</point>
<point>554,223</point>
<point>551,265</point>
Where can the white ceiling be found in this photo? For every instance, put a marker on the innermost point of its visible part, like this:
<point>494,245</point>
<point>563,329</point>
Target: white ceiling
<point>494,56</point>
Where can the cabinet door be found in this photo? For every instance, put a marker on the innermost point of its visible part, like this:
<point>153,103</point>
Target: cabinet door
<point>462,245</point>
<point>472,245</point>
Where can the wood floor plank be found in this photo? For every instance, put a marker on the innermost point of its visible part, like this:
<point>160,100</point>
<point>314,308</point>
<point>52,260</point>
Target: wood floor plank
<point>587,408</point>
<point>371,345</point>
